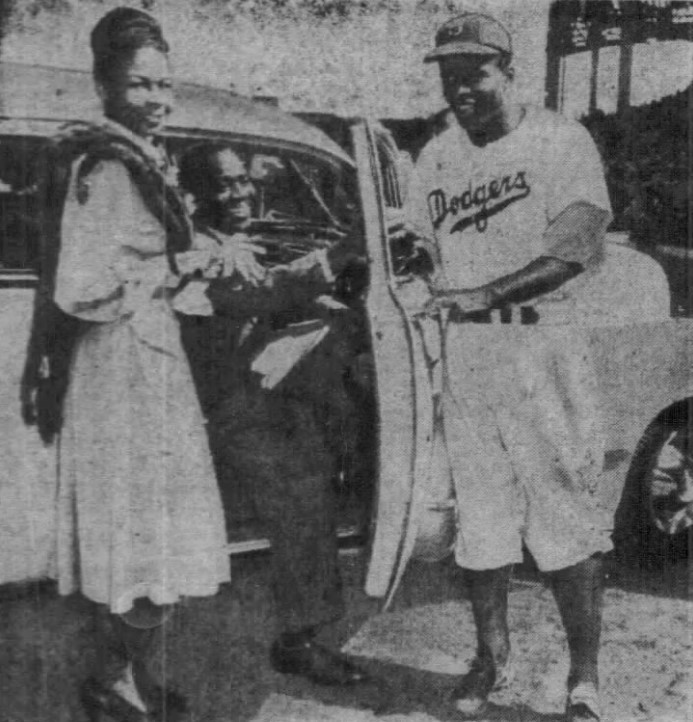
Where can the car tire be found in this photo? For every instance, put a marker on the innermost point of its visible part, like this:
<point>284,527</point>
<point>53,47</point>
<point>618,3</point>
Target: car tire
<point>654,523</point>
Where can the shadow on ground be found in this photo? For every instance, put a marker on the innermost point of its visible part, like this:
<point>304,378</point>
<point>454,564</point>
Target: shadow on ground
<point>216,650</point>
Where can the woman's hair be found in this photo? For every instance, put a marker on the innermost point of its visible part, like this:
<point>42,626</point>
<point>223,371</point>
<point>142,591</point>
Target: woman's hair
<point>118,35</point>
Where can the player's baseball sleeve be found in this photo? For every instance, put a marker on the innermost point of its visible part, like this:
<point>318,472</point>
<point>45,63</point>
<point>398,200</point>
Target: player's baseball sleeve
<point>578,197</point>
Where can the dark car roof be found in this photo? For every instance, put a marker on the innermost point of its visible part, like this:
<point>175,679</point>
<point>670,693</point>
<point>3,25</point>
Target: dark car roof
<point>39,93</point>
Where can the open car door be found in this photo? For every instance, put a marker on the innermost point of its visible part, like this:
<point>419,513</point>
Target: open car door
<point>404,397</point>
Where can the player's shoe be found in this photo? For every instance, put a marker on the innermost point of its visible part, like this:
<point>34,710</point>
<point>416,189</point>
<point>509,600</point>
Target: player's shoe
<point>583,703</point>
<point>471,694</point>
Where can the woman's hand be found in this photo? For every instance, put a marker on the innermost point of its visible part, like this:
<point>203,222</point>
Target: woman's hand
<point>196,262</point>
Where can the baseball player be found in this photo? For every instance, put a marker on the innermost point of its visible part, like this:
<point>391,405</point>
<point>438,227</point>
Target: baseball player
<point>514,202</point>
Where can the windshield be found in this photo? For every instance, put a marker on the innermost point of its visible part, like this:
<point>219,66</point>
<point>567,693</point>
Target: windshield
<point>296,201</point>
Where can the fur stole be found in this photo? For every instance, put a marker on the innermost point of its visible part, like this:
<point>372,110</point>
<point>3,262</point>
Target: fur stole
<point>54,333</point>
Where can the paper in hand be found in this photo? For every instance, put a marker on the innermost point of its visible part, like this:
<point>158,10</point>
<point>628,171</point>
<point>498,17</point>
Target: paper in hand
<point>285,349</point>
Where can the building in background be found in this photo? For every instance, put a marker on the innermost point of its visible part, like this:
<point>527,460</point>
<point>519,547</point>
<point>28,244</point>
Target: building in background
<point>633,52</point>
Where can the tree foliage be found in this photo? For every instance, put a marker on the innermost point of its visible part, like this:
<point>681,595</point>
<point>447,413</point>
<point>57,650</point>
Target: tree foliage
<point>6,7</point>
<point>316,8</point>
<point>648,163</point>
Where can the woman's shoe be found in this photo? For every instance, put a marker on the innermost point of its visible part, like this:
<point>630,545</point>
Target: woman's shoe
<point>103,703</point>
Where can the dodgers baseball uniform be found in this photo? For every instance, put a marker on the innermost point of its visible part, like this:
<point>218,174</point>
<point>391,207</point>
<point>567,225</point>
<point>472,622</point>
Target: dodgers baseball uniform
<point>520,402</point>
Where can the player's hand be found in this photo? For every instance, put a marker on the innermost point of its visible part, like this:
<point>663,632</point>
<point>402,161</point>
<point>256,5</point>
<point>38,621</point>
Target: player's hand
<point>401,230</point>
<point>413,293</point>
<point>398,225</point>
<point>402,234</point>
<point>412,253</point>
<point>462,302</point>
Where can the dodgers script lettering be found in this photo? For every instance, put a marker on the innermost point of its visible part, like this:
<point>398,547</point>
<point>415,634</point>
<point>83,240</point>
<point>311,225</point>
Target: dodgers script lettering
<point>486,200</point>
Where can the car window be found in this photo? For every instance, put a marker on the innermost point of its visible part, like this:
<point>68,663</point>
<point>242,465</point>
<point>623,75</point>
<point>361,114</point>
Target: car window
<point>299,202</point>
<point>295,188</point>
<point>407,258</point>
<point>387,158</point>
<point>299,199</point>
<point>22,161</point>
<point>290,185</point>
<point>391,190</point>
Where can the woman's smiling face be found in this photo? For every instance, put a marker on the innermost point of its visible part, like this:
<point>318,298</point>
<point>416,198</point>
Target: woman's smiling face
<point>139,93</point>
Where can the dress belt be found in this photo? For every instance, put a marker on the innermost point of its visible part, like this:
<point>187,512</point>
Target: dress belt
<point>524,315</point>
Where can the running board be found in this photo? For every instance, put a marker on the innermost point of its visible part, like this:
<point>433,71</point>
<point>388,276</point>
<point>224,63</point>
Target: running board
<point>348,537</point>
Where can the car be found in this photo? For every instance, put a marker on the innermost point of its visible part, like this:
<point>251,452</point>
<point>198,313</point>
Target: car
<point>642,357</point>
<point>346,178</point>
<point>306,196</point>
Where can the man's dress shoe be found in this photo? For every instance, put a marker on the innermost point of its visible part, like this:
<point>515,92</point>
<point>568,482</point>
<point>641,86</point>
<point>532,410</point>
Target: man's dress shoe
<point>101,702</point>
<point>315,662</point>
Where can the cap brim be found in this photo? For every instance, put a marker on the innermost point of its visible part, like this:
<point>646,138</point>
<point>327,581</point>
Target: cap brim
<point>460,48</point>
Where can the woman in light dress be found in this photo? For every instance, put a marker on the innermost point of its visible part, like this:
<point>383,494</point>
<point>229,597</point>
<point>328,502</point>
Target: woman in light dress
<point>140,521</point>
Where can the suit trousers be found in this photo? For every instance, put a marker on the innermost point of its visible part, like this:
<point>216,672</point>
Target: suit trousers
<point>279,448</point>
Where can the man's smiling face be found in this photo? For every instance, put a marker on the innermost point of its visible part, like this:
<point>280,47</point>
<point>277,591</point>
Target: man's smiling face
<point>475,87</point>
<point>231,192</point>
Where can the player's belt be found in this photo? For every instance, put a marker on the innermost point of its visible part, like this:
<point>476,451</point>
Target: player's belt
<point>524,315</point>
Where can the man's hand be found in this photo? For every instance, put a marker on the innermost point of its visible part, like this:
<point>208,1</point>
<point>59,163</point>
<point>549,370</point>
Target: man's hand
<point>237,254</point>
<point>343,255</point>
<point>412,254</point>
<point>463,302</point>
<point>399,229</point>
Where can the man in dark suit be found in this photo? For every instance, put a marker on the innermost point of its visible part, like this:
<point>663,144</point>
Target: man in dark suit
<point>270,365</point>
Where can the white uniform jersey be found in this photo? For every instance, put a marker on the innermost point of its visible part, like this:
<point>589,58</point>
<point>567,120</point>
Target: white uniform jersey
<point>520,403</point>
<point>487,207</point>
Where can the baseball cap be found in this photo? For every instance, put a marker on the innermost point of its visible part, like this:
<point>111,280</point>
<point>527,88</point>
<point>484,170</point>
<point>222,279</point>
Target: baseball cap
<point>470,34</point>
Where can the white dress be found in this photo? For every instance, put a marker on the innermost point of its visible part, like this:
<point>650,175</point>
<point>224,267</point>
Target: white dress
<point>139,511</point>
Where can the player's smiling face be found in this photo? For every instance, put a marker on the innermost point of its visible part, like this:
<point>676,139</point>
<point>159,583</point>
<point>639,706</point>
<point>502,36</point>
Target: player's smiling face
<point>475,87</point>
